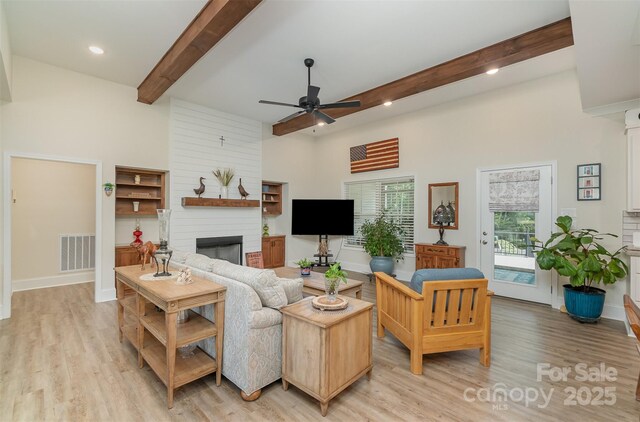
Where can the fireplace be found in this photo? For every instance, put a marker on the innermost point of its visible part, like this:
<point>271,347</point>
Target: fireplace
<point>228,248</point>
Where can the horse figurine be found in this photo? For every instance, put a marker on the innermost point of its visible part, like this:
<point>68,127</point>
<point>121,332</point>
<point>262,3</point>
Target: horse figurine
<point>146,250</point>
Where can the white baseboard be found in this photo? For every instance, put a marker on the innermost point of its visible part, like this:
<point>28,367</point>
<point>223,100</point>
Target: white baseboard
<point>54,281</point>
<point>2,316</point>
<point>106,295</point>
<point>614,312</point>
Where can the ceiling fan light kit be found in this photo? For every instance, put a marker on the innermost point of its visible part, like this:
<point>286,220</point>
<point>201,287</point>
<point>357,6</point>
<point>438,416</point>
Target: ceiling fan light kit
<point>310,104</point>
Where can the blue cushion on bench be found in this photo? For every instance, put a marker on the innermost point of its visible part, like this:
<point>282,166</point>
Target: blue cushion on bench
<point>433,274</point>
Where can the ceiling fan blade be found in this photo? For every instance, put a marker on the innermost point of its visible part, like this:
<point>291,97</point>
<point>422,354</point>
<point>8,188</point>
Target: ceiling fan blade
<point>292,116</point>
<point>277,103</point>
<point>312,93</point>
<point>341,104</point>
<point>325,118</point>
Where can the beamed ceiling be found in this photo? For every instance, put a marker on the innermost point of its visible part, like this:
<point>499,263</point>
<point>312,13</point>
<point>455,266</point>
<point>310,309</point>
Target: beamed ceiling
<point>418,53</point>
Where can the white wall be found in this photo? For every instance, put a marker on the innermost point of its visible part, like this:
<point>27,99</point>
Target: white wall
<point>5,58</point>
<point>291,159</point>
<point>68,192</point>
<point>540,120</point>
<point>196,150</point>
<point>56,112</point>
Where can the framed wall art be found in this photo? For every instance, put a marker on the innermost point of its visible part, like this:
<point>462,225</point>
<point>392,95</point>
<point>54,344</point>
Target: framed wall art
<point>589,182</point>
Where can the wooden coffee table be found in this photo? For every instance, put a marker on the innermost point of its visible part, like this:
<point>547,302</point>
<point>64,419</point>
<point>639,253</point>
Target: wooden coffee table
<point>324,352</point>
<point>314,283</point>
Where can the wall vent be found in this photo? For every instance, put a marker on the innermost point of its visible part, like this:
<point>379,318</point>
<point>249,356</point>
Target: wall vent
<point>77,252</point>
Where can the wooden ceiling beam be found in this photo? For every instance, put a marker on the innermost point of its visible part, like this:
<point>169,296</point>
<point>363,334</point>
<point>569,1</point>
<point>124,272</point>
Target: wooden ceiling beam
<point>216,19</point>
<point>531,44</point>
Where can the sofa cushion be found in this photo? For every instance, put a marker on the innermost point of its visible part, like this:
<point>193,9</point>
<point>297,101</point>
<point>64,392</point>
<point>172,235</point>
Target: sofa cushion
<point>180,256</point>
<point>265,317</point>
<point>264,282</point>
<point>292,288</point>
<point>199,261</point>
<point>433,274</point>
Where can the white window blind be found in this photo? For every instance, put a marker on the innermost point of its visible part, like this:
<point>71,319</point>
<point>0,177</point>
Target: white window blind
<point>394,197</point>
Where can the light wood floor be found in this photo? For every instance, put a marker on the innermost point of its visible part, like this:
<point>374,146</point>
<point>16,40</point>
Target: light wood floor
<point>60,359</point>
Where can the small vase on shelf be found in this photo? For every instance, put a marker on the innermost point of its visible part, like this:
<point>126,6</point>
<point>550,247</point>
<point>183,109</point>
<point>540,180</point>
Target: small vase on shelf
<point>224,192</point>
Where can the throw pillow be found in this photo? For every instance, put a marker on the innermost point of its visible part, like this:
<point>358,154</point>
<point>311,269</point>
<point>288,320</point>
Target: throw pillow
<point>270,292</point>
<point>292,288</point>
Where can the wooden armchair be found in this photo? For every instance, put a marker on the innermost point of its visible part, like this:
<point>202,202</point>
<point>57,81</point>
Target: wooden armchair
<point>633,316</point>
<point>447,316</point>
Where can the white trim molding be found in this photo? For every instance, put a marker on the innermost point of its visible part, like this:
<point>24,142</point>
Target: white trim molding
<point>106,295</point>
<point>54,281</point>
<point>7,286</point>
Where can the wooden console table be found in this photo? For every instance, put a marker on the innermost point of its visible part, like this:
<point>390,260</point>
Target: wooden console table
<point>137,315</point>
<point>324,352</point>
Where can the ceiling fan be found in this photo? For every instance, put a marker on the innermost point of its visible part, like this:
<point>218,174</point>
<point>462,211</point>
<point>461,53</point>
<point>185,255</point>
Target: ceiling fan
<point>311,103</point>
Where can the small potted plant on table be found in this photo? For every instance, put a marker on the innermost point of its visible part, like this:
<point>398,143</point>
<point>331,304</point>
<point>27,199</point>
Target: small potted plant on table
<point>383,242</point>
<point>332,278</point>
<point>577,254</point>
<point>305,266</point>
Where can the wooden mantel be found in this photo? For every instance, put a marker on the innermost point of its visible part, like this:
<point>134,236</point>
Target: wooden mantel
<point>217,202</point>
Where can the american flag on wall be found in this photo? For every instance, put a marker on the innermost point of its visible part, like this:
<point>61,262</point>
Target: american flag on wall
<point>375,156</point>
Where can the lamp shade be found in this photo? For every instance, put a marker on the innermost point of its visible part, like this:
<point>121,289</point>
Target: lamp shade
<point>440,214</point>
<point>452,213</point>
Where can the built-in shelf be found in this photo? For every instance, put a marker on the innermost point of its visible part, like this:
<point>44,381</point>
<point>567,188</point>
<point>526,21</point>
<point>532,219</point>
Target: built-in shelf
<point>271,198</point>
<point>145,187</point>
<point>138,198</point>
<point>217,202</point>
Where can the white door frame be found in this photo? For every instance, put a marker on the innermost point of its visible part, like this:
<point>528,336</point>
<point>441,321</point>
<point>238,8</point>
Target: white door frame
<point>555,302</point>
<point>7,287</point>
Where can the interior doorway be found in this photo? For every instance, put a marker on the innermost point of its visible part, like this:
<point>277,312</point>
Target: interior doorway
<point>516,203</point>
<point>43,205</point>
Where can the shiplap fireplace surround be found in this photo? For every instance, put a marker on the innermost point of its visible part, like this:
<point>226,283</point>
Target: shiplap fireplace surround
<point>195,151</point>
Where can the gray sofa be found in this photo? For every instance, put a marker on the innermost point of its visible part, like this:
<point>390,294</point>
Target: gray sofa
<point>252,351</point>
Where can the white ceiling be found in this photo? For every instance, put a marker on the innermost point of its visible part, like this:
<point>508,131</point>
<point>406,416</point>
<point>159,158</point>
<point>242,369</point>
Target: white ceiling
<point>357,45</point>
<point>607,43</point>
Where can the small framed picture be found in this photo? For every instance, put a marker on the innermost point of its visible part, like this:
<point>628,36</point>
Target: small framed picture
<point>589,179</point>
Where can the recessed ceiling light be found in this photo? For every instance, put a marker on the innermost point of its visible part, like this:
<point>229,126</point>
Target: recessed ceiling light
<point>388,103</point>
<point>96,50</point>
<point>492,71</point>
<point>321,124</point>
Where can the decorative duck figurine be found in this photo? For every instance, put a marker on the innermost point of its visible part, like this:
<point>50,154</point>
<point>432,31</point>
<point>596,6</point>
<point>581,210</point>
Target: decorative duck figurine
<point>200,190</point>
<point>243,192</point>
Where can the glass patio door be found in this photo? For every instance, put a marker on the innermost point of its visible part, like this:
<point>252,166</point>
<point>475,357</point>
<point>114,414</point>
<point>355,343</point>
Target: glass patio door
<point>506,257</point>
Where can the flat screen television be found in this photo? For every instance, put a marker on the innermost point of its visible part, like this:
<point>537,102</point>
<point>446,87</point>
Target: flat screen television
<point>322,216</point>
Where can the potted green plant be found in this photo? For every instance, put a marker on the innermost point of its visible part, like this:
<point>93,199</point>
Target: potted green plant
<point>383,242</point>
<point>332,278</point>
<point>108,188</point>
<point>305,266</point>
<point>579,255</point>
<point>224,176</point>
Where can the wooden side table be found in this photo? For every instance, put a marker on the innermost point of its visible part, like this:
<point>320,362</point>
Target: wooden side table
<point>323,352</point>
<point>137,317</point>
<point>314,282</point>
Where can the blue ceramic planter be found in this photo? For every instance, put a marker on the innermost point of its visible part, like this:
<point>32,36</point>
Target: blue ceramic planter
<point>584,306</point>
<point>383,264</point>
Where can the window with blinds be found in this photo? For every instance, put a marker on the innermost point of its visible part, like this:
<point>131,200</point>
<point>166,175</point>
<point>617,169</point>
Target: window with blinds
<point>394,197</point>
